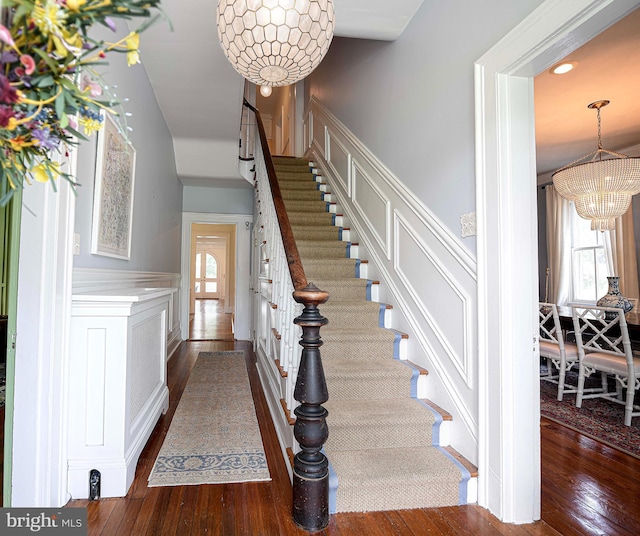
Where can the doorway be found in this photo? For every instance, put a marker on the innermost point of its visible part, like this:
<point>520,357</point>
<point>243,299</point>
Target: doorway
<point>507,252</point>
<point>211,308</point>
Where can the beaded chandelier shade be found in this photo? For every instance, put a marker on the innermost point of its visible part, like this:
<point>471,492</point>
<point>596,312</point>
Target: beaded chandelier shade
<point>275,42</point>
<point>601,183</point>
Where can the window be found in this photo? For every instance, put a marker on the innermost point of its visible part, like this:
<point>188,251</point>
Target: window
<point>589,262</point>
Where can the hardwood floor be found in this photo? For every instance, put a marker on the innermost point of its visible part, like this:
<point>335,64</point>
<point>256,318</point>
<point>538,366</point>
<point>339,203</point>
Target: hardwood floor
<point>588,489</point>
<point>209,322</point>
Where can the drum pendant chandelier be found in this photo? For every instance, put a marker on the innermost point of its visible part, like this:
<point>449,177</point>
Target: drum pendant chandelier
<point>275,42</point>
<point>601,188</point>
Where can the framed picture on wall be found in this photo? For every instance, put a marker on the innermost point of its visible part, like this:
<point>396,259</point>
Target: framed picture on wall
<point>113,193</point>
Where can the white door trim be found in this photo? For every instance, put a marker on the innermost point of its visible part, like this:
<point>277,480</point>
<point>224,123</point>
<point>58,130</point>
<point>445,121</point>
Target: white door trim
<point>509,436</point>
<point>242,318</point>
<point>45,271</point>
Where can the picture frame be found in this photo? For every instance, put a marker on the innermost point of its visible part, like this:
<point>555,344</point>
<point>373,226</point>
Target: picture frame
<point>113,193</point>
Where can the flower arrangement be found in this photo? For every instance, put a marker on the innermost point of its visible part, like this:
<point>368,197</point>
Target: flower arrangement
<point>48,83</point>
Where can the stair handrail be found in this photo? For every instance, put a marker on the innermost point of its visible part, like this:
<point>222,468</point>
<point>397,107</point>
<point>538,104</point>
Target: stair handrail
<point>310,509</point>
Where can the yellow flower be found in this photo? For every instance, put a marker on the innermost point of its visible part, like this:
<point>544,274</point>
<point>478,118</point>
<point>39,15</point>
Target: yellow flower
<point>89,125</point>
<point>133,42</point>
<point>49,18</point>
<point>45,171</point>
<point>75,5</point>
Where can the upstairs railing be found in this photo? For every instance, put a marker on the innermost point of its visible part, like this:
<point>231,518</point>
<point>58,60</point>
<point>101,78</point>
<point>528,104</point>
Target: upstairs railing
<point>310,467</point>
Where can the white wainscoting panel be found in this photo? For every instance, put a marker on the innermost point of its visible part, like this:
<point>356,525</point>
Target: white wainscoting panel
<point>426,272</point>
<point>373,205</point>
<point>339,161</point>
<point>429,282</point>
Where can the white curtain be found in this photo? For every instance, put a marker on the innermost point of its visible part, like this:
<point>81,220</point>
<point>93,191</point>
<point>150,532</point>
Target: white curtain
<point>623,254</point>
<point>558,247</point>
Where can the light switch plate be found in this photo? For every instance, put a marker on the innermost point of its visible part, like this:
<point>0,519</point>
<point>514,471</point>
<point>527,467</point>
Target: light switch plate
<point>76,244</point>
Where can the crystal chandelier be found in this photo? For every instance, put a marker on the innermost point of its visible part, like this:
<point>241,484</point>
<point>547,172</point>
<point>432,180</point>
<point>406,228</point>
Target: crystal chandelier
<point>601,188</point>
<point>275,42</point>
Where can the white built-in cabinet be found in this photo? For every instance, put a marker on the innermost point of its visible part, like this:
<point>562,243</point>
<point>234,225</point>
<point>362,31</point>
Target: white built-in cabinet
<point>117,383</point>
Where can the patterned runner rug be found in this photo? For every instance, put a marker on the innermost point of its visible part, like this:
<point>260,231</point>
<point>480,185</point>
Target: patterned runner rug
<point>597,418</point>
<point>214,436</point>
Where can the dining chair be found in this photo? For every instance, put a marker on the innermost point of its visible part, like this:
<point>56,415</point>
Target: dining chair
<point>602,337</point>
<point>559,354</point>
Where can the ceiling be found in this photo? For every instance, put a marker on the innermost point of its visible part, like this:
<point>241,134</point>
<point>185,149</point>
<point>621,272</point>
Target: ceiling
<point>608,67</point>
<point>200,94</point>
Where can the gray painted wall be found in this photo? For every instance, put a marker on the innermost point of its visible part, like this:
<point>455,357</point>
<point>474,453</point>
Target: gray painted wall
<point>411,101</point>
<point>157,213</point>
<point>218,200</point>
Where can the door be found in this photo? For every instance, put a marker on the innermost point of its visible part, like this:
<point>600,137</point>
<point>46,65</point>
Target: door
<point>206,283</point>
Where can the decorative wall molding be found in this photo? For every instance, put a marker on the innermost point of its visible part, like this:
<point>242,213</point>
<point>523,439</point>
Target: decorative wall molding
<point>429,274</point>
<point>99,280</point>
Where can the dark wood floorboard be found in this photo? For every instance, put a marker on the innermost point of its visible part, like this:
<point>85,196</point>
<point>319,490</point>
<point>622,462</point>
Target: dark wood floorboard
<point>587,488</point>
<point>209,322</point>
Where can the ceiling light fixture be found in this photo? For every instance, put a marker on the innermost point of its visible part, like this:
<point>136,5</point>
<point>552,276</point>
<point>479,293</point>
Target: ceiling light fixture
<point>275,42</point>
<point>601,188</point>
<point>563,68</point>
<point>265,91</point>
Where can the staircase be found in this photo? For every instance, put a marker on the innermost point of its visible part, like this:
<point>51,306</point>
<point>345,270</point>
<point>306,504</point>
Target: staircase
<point>383,441</point>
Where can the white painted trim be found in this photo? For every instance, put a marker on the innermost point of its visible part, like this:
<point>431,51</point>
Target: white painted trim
<point>42,348</point>
<point>509,442</point>
<point>90,279</point>
<point>243,222</point>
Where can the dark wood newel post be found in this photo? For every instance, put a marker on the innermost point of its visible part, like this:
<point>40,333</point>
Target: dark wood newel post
<point>310,465</point>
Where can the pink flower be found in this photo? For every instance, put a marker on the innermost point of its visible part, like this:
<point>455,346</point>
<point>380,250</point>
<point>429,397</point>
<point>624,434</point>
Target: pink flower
<point>29,63</point>
<point>8,94</point>
<point>95,89</point>
<point>5,36</point>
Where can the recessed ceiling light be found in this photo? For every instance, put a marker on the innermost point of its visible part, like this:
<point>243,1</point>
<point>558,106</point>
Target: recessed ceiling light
<point>563,68</point>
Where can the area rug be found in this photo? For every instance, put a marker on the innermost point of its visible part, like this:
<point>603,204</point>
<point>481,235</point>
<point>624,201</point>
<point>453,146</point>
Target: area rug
<point>214,436</point>
<point>597,418</point>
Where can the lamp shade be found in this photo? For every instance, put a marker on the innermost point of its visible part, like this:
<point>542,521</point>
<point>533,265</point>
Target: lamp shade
<point>601,189</point>
<point>601,183</point>
<point>275,42</point>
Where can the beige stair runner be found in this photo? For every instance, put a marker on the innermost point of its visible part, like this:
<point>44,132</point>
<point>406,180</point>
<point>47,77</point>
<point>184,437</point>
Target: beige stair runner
<point>381,438</point>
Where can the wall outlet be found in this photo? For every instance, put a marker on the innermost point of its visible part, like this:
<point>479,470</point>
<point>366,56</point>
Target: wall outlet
<point>468,223</point>
<point>76,244</point>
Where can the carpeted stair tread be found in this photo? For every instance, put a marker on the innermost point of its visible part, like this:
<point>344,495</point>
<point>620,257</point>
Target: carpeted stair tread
<point>322,249</point>
<point>288,182</point>
<point>345,342</point>
<point>395,479</point>
<point>310,218</point>
<point>302,195</point>
<point>354,314</point>
<point>367,378</point>
<point>302,205</point>
<point>311,232</point>
<point>367,424</point>
<point>343,289</point>
<point>330,268</point>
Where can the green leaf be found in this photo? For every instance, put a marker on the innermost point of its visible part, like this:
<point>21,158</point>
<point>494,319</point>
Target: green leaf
<point>47,59</point>
<point>60,106</point>
<point>45,81</point>
<point>77,134</point>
